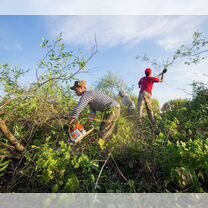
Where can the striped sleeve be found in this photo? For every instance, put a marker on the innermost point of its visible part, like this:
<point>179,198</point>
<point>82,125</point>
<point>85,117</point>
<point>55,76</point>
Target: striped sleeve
<point>83,102</point>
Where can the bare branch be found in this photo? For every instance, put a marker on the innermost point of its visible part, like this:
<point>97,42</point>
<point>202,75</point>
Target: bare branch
<point>118,168</point>
<point>104,164</point>
<point>11,137</point>
<point>64,77</point>
<point>46,55</point>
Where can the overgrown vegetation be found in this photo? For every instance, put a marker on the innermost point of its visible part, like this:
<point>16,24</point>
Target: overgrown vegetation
<point>35,155</point>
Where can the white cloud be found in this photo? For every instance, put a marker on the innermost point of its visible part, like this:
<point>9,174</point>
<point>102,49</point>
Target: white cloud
<point>168,31</point>
<point>123,7</point>
<point>178,80</point>
<point>179,30</point>
<point>184,74</point>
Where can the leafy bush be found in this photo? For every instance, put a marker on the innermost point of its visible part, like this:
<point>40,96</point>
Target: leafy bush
<point>137,158</point>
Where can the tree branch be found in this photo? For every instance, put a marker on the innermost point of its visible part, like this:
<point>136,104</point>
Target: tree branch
<point>98,178</point>
<point>118,168</point>
<point>18,146</point>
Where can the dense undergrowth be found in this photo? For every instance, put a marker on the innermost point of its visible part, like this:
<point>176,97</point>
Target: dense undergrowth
<point>171,157</point>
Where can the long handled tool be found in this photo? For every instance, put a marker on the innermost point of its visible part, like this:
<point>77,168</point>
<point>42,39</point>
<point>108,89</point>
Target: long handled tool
<point>163,72</point>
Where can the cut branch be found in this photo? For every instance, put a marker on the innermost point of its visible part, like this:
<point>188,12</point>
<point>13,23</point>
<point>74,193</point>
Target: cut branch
<point>18,146</point>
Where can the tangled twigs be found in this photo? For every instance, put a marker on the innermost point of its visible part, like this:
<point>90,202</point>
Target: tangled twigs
<point>104,164</point>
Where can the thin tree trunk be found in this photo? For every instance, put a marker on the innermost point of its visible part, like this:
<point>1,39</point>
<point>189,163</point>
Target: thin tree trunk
<point>18,146</point>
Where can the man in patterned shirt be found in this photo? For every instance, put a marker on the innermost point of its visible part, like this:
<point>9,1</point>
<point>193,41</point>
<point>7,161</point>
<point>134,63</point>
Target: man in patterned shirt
<point>97,101</point>
<point>145,94</point>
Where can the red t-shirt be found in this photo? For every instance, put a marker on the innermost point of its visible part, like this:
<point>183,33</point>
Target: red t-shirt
<point>146,83</point>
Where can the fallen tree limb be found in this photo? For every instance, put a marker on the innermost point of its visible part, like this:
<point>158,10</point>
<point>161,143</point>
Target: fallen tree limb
<point>18,146</point>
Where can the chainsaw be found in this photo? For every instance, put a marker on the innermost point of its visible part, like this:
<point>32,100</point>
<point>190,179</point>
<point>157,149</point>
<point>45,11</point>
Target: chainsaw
<point>77,133</point>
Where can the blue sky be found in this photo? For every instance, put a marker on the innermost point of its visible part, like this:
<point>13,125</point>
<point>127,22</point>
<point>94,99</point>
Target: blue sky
<point>120,39</point>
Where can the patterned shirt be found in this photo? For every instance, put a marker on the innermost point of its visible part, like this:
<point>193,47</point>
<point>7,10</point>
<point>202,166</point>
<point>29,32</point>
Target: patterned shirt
<point>96,100</point>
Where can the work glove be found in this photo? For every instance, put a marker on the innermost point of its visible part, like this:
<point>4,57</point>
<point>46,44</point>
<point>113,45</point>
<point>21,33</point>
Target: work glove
<point>164,71</point>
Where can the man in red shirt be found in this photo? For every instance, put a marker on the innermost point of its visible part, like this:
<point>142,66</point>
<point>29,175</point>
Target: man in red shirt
<point>145,94</point>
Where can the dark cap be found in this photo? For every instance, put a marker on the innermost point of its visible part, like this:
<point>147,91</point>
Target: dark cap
<point>80,83</point>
